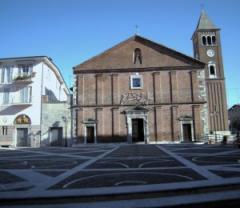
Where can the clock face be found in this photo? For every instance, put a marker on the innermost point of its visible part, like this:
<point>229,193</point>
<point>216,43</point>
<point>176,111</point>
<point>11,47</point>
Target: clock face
<point>210,52</point>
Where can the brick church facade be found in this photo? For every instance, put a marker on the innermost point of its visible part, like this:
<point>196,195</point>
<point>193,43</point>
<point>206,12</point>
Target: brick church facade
<point>142,91</point>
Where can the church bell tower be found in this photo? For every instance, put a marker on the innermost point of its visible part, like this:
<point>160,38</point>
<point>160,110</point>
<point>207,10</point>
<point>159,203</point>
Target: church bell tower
<point>207,48</point>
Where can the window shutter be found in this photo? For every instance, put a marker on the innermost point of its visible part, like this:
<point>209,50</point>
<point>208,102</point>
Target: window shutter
<point>11,74</point>
<point>3,74</point>
<point>22,95</point>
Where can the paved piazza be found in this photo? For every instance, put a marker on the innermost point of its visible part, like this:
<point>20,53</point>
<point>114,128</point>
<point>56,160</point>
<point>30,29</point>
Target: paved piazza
<point>100,169</point>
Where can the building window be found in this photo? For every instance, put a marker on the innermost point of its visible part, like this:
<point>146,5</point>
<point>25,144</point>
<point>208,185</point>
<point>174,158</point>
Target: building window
<point>24,70</point>
<point>6,96</point>
<point>2,75</point>
<point>208,40</point>
<point>212,70</point>
<point>6,75</point>
<point>136,81</point>
<point>4,130</point>
<point>26,94</point>
<point>22,119</point>
<point>137,56</point>
<point>214,40</point>
<point>204,41</point>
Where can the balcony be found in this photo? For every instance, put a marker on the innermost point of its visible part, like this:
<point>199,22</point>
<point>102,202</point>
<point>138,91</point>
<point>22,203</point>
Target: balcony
<point>22,103</point>
<point>23,78</point>
<point>19,103</point>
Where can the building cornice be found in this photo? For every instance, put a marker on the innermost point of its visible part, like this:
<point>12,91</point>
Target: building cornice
<point>152,105</point>
<point>148,69</point>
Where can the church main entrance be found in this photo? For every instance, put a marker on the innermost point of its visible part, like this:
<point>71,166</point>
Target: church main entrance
<point>137,124</point>
<point>137,130</point>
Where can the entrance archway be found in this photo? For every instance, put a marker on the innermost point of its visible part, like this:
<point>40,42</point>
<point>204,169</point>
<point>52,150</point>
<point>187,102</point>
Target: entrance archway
<point>22,123</point>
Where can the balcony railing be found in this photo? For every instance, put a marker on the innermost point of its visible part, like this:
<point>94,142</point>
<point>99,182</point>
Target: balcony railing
<point>23,78</point>
<point>27,101</point>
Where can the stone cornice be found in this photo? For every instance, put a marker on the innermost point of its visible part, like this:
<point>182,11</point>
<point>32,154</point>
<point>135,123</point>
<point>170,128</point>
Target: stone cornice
<point>152,105</point>
<point>149,69</point>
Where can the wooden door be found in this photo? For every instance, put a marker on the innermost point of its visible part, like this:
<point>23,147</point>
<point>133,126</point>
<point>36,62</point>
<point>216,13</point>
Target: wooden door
<point>90,134</point>
<point>187,132</point>
<point>22,137</point>
<point>56,136</point>
<point>137,130</point>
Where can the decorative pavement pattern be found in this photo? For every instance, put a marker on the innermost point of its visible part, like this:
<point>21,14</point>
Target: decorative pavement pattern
<point>112,168</point>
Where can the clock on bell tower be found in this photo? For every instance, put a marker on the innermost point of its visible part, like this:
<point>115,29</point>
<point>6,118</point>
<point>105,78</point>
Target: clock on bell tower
<point>207,48</point>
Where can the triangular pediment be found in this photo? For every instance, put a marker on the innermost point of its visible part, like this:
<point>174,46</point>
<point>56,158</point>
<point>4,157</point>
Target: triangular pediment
<point>153,55</point>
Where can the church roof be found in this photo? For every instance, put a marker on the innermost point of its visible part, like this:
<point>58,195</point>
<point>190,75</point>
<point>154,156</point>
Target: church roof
<point>204,22</point>
<point>119,57</point>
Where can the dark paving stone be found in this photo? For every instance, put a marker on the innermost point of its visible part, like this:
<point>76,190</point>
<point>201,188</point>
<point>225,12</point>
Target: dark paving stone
<point>235,166</point>
<point>51,173</point>
<point>122,178</point>
<point>59,151</point>
<point>6,178</point>
<point>202,150</point>
<point>137,150</point>
<point>135,163</point>
<point>89,154</point>
<point>226,174</point>
<point>40,164</point>
<point>17,154</point>
<point>177,145</point>
<point>85,152</point>
<point>214,160</point>
<point>203,146</point>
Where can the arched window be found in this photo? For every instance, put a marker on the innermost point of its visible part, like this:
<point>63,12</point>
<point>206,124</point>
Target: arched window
<point>22,119</point>
<point>204,40</point>
<point>212,70</point>
<point>209,40</point>
<point>213,39</point>
<point>137,57</point>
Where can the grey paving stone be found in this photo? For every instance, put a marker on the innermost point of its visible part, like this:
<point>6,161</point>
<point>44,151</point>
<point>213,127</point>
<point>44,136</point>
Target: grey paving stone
<point>135,163</point>
<point>38,163</point>
<point>124,178</point>
<point>6,178</point>
<point>214,160</point>
<point>227,174</point>
<point>137,150</point>
<point>51,173</point>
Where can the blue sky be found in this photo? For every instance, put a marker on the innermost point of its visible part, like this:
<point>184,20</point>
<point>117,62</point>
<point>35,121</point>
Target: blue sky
<point>71,31</point>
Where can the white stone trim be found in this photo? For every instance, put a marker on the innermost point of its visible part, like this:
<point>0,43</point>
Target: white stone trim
<point>134,76</point>
<point>143,116</point>
<point>181,129</point>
